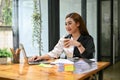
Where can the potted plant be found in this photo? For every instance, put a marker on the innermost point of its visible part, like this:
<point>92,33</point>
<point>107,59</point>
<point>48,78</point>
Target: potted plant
<point>5,56</point>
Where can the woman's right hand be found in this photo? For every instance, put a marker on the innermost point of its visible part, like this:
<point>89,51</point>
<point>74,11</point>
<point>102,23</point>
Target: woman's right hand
<point>35,58</point>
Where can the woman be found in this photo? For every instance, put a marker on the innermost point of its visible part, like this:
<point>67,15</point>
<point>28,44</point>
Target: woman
<point>78,42</point>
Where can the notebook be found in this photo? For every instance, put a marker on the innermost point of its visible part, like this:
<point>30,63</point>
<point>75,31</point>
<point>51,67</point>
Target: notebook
<point>26,58</point>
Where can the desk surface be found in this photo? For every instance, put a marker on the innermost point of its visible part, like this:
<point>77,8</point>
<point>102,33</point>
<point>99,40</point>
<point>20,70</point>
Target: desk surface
<point>35,72</point>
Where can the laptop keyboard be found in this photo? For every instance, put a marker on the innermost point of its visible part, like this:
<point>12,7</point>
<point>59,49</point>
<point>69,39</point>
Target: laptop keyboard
<point>38,62</point>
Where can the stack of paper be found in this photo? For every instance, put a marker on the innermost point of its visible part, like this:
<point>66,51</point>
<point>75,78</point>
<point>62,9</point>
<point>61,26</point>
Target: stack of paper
<point>60,67</point>
<point>64,65</point>
<point>64,61</point>
<point>79,67</point>
<point>82,67</point>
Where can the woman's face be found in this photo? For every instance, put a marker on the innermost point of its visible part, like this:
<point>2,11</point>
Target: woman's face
<point>71,26</point>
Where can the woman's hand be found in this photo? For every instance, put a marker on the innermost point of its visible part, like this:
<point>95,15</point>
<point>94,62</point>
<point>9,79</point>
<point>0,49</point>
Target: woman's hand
<point>43,57</point>
<point>35,58</point>
<point>66,43</point>
<point>69,42</point>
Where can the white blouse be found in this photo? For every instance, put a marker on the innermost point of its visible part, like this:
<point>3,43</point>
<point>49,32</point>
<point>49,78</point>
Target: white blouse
<point>59,49</point>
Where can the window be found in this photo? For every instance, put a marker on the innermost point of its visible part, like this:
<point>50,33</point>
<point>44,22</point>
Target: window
<point>5,12</point>
<point>6,39</point>
<point>92,21</point>
<point>65,8</point>
<point>26,22</point>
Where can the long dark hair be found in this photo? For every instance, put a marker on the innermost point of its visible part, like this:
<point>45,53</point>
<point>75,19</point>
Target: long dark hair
<point>78,19</point>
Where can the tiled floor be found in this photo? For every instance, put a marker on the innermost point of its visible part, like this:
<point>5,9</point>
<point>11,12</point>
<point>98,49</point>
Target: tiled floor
<point>112,72</point>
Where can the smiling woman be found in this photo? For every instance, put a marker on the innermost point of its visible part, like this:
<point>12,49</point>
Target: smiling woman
<point>78,42</point>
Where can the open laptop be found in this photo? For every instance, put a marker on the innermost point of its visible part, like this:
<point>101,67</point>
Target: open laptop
<point>26,58</point>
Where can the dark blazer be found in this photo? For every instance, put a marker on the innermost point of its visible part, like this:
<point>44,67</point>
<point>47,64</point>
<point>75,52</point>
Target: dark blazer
<point>88,43</point>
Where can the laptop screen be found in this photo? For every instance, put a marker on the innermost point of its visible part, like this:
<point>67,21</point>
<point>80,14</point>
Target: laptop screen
<point>24,52</point>
<point>26,58</point>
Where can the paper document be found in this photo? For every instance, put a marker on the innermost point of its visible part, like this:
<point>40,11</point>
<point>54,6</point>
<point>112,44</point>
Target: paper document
<point>64,61</point>
<point>45,65</point>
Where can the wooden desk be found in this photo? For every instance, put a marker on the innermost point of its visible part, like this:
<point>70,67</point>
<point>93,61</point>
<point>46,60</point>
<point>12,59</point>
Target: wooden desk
<point>35,72</point>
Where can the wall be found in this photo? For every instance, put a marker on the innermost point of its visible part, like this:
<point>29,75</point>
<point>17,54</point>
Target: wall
<point>6,39</point>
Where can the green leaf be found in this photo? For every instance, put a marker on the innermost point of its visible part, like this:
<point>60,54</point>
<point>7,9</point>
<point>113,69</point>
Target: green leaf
<point>5,52</point>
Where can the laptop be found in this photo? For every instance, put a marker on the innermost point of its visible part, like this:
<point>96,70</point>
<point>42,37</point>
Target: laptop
<point>26,58</point>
